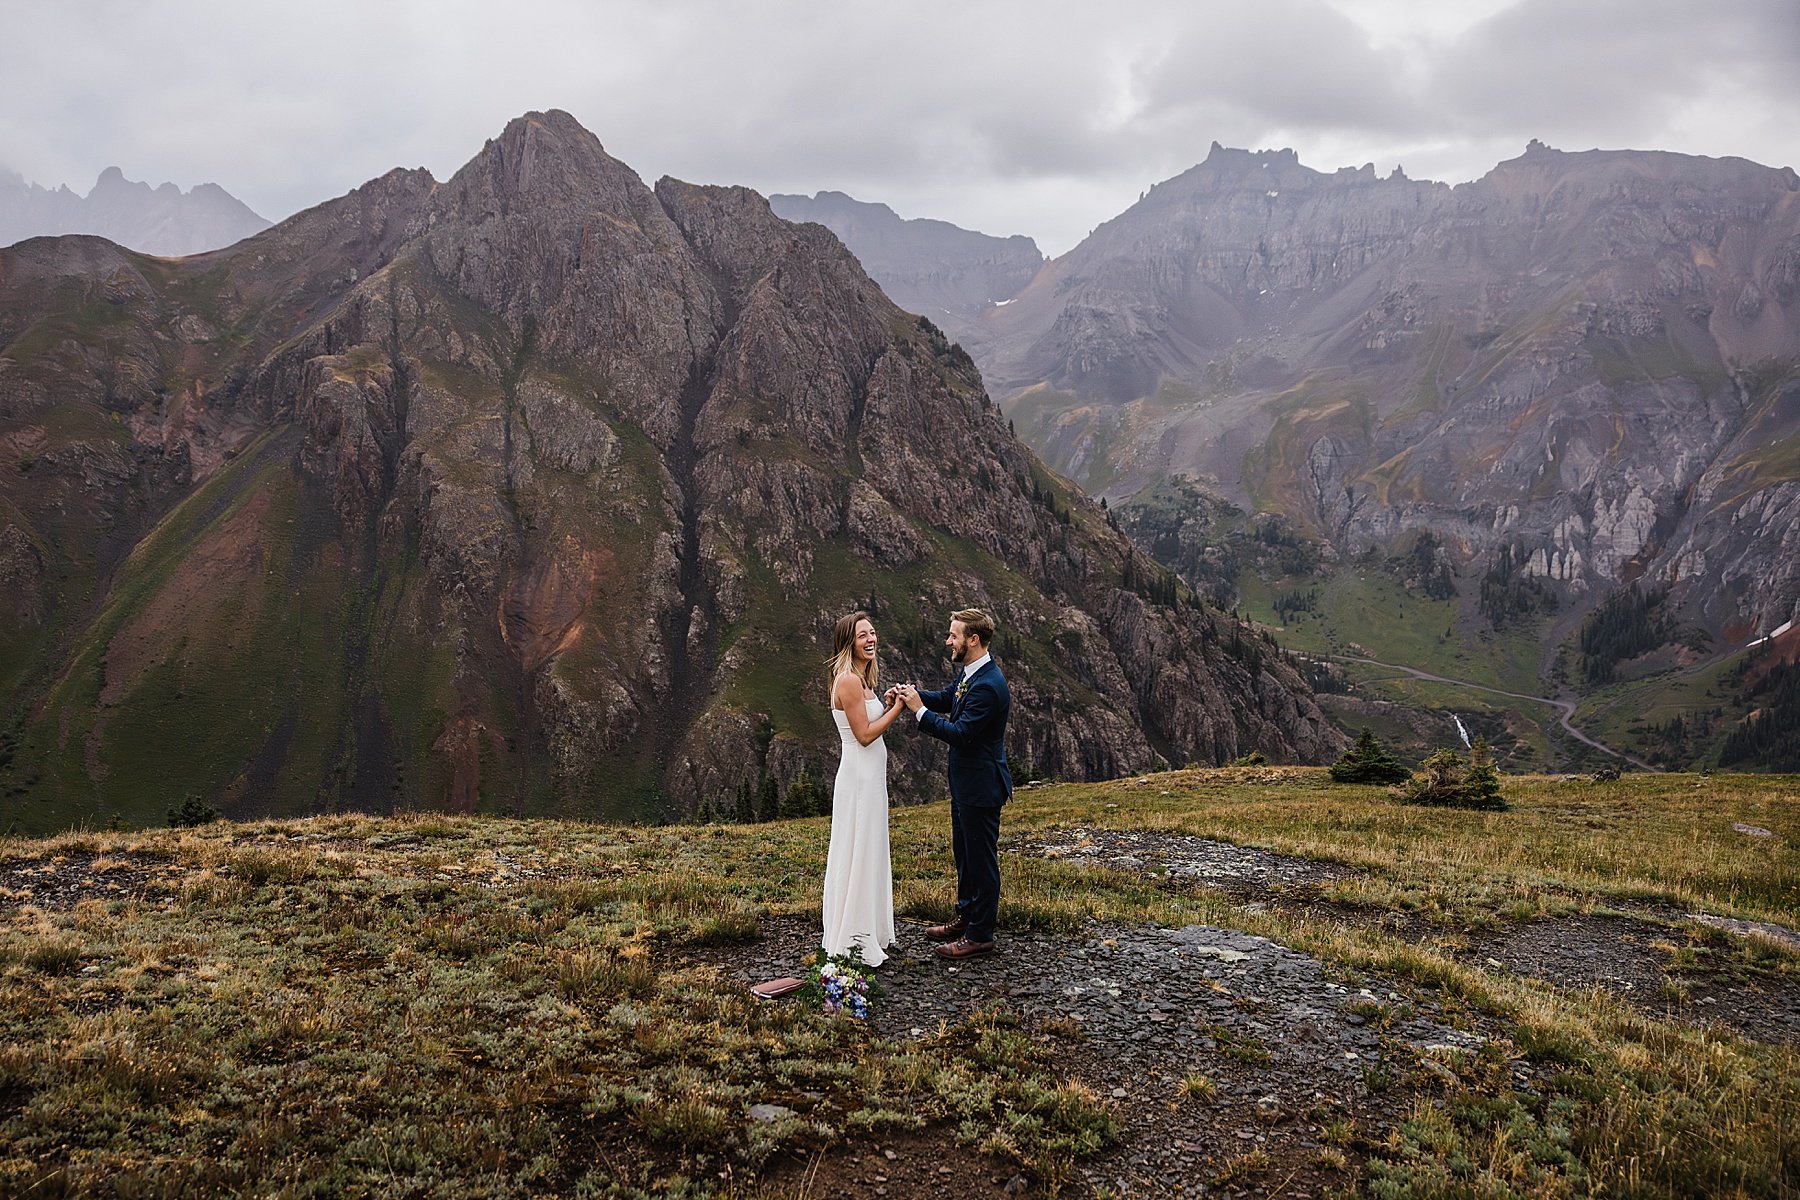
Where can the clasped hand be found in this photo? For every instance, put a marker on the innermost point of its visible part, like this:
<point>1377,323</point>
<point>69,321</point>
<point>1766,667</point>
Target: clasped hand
<point>906,694</point>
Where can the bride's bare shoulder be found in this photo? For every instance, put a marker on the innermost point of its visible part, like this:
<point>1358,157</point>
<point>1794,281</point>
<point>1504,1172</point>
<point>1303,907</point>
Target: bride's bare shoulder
<point>845,688</point>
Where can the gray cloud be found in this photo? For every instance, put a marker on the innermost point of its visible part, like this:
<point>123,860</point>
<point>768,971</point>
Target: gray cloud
<point>1044,118</point>
<point>1287,63</point>
<point>1624,68</point>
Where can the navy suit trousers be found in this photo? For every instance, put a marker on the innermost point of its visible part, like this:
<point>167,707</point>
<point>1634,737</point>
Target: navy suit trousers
<point>975,843</point>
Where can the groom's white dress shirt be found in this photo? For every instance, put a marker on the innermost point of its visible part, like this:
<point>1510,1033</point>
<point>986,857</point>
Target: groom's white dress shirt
<point>968,673</point>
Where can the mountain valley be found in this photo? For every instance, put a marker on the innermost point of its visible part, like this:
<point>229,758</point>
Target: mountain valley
<point>1488,411</point>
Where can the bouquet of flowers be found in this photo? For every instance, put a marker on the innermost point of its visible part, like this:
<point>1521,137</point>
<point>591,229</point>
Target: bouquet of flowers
<point>842,984</point>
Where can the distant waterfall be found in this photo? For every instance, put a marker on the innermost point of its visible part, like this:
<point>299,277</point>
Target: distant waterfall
<point>1461,729</point>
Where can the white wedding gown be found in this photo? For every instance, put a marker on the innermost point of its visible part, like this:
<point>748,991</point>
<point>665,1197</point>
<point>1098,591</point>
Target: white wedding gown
<point>859,875</point>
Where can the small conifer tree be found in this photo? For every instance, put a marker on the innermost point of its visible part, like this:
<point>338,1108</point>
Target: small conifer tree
<point>192,813</point>
<point>1440,780</point>
<point>1482,788</point>
<point>804,797</point>
<point>1368,761</point>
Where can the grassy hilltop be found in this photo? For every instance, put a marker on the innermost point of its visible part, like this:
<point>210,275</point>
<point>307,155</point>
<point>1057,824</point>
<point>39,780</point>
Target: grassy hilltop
<point>493,1007</point>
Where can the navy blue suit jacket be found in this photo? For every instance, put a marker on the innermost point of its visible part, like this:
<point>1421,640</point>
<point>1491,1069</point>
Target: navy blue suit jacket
<point>975,730</point>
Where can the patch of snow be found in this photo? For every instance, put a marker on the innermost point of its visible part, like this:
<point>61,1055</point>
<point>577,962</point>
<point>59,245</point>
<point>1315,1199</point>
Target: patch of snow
<point>1772,634</point>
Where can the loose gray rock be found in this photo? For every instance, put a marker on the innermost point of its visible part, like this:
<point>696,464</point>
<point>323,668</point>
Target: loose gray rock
<point>769,1112</point>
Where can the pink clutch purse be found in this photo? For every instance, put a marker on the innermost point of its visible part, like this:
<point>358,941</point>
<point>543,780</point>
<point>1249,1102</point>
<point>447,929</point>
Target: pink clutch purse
<point>774,989</point>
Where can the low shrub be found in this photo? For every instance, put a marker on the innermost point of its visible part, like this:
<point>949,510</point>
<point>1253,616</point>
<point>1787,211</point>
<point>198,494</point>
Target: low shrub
<point>1448,780</point>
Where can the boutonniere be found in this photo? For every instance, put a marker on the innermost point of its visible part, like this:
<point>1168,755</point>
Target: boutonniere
<point>962,686</point>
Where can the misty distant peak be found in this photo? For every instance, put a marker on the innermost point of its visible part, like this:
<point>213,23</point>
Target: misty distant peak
<point>833,197</point>
<point>1231,157</point>
<point>814,208</point>
<point>1543,167</point>
<point>942,271</point>
<point>161,220</point>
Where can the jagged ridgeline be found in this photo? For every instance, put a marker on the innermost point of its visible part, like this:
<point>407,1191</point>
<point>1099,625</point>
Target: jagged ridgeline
<point>536,490</point>
<point>1578,370</point>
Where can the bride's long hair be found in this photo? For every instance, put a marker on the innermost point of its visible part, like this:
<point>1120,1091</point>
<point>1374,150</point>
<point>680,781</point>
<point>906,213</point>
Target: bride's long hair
<point>843,652</point>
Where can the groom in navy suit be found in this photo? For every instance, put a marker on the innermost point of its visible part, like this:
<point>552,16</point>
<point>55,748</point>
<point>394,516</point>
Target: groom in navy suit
<point>971,717</point>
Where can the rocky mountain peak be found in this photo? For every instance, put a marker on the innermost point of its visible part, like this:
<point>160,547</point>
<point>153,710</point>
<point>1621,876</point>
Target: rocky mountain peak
<point>1232,158</point>
<point>544,226</point>
<point>1584,359</point>
<point>1642,176</point>
<point>332,245</point>
<point>1228,167</point>
<point>547,161</point>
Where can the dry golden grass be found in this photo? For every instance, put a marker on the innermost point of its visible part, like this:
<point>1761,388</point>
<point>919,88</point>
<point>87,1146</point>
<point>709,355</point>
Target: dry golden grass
<point>485,1006</point>
<point>1662,838</point>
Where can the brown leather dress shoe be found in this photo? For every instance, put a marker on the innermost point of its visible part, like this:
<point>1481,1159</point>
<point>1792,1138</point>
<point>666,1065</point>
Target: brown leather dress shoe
<point>947,932</point>
<point>964,948</point>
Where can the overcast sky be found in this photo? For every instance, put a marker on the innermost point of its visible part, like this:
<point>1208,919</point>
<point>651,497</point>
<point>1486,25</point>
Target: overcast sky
<point>1042,117</point>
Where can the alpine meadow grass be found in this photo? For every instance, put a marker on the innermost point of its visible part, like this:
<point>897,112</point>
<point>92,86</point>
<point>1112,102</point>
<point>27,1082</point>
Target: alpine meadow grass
<point>489,1006</point>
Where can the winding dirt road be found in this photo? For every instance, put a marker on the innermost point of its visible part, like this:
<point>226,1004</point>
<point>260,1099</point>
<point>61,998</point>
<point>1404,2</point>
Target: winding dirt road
<point>1564,708</point>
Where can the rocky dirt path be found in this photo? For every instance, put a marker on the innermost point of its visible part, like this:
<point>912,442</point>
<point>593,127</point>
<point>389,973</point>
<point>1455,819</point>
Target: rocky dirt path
<point>1236,1065</point>
<point>1223,1054</point>
<point>1660,960</point>
<point>1657,966</point>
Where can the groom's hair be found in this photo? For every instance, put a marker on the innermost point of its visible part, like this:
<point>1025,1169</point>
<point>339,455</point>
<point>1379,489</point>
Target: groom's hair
<point>976,624</point>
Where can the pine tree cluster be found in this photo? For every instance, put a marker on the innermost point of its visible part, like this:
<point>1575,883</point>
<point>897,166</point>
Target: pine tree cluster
<point>1425,568</point>
<point>804,797</point>
<point>1628,624</point>
<point>1507,593</point>
<point>1770,736</point>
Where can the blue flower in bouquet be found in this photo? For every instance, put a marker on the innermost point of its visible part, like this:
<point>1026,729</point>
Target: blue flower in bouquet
<point>842,985</point>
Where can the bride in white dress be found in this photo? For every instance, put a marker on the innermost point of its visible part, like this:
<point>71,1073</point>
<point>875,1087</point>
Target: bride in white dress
<point>859,876</point>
